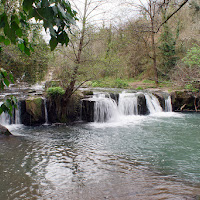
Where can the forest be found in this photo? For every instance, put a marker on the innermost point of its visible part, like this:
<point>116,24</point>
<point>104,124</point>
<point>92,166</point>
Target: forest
<point>155,43</point>
<point>100,99</point>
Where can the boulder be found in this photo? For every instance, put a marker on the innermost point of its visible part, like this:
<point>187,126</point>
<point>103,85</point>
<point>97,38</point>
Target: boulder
<point>142,105</point>
<point>4,131</point>
<point>161,98</point>
<point>87,112</point>
<point>32,111</point>
<point>60,111</point>
<point>185,101</point>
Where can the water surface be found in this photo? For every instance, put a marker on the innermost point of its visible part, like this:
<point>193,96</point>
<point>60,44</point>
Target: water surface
<point>133,157</point>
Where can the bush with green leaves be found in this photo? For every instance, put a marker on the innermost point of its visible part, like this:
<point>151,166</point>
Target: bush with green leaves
<point>119,83</point>
<point>8,104</point>
<point>191,87</point>
<point>55,91</point>
<point>192,57</point>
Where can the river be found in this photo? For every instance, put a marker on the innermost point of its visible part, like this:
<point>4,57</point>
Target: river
<point>135,157</point>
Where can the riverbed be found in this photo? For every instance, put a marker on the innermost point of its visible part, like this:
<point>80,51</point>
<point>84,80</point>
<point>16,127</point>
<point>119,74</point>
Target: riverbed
<point>135,157</point>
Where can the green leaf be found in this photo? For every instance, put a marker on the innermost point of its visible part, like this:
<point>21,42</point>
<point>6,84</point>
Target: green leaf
<point>27,4</point>
<point>19,32</point>
<point>7,42</point>
<point>8,103</point>
<point>52,31</point>
<point>6,81</point>
<point>3,72</point>
<point>3,20</point>
<point>14,26</point>
<point>31,48</point>
<point>45,3</point>
<point>11,78</point>
<point>2,38</point>
<point>27,51</point>
<point>53,43</point>
<point>1,110</point>
<point>1,85</point>
<point>4,107</point>
<point>21,46</point>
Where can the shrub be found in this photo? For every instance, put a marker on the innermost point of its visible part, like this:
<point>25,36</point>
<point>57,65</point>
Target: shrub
<point>119,83</point>
<point>139,88</point>
<point>96,84</point>
<point>55,91</point>
<point>191,88</point>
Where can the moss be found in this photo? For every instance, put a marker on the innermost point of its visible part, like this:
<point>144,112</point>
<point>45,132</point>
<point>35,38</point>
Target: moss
<point>34,107</point>
<point>88,93</point>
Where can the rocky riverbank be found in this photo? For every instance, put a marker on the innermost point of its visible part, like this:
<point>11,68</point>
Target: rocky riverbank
<point>37,109</point>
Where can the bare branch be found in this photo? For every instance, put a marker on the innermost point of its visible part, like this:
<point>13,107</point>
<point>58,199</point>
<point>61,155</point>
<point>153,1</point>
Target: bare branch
<point>172,14</point>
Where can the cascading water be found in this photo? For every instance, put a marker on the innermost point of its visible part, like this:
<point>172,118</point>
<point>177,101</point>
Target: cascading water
<point>128,104</point>
<point>46,112</point>
<point>153,104</point>
<point>6,119</point>
<point>168,104</point>
<point>107,109</point>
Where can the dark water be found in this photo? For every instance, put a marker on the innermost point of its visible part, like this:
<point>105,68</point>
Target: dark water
<point>137,157</point>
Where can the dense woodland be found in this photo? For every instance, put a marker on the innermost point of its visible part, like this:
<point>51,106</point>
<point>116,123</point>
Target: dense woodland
<point>144,45</point>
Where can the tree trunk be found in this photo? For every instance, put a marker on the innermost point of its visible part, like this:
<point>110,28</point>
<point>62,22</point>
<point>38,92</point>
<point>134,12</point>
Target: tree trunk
<point>70,89</point>
<point>154,57</point>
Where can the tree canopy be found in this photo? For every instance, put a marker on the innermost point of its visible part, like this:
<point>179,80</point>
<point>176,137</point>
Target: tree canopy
<point>56,16</point>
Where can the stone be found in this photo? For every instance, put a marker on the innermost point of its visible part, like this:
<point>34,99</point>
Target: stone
<point>87,112</point>
<point>184,101</point>
<point>32,111</point>
<point>142,105</point>
<point>61,112</point>
<point>4,131</point>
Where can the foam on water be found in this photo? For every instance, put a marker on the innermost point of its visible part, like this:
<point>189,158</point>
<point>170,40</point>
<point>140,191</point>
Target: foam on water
<point>108,113</point>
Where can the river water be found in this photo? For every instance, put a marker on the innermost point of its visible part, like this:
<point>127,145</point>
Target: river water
<point>135,157</point>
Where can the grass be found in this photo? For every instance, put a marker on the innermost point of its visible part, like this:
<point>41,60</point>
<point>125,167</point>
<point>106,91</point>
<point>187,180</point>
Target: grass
<point>110,83</point>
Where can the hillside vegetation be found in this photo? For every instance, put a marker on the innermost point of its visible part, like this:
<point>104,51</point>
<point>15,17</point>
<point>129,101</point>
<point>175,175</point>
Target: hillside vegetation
<point>136,53</point>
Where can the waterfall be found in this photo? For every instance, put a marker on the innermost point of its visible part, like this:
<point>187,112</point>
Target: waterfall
<point>6,119</point>
<point>102,108</point>
<point>128,104</point>
<point>168,104</point>
<point>153,104</point>
<point>46,112</point>
<point>17,114</point>
<point>105,108</point>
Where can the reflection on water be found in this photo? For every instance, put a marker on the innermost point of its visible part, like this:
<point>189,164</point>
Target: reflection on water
<point>151,157</point>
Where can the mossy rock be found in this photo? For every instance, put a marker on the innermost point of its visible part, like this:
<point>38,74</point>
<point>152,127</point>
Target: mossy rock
<point>88,92</point>
<point>61,112</point>
<point>35,107</point>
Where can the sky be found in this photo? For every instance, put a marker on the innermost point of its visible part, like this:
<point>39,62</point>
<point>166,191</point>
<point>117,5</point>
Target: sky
<point>111,12</point>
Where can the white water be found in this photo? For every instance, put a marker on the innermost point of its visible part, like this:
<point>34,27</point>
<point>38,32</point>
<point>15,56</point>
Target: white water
<point>128,104</point>
<point>6,119</point>
<point>107,110</point>
<point>168,104</point>
<point>153,104</point>
<point>46,112</point>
